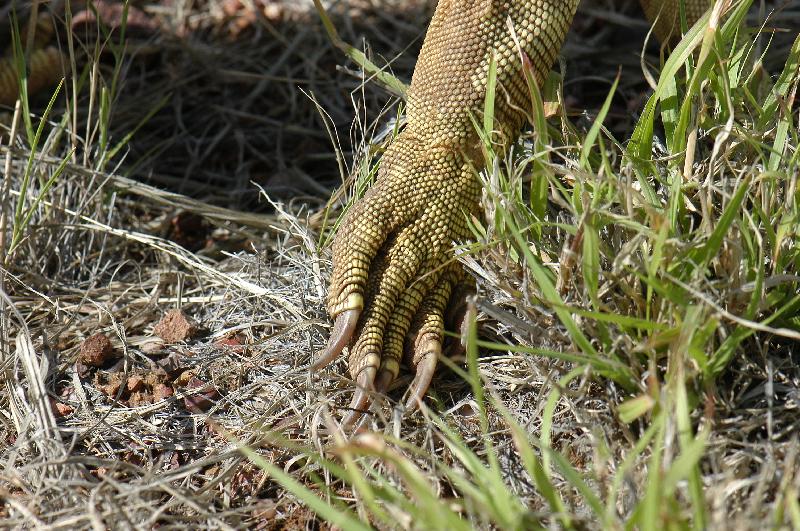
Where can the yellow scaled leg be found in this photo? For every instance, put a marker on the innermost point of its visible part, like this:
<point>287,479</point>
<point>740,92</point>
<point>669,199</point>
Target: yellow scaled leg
<point>393,263</point>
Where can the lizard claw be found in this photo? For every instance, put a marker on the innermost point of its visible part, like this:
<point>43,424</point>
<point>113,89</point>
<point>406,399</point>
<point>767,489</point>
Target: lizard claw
<point>361,397</point>
<point>426,366</point>
<point>342,332</point>
<point>383,380</point>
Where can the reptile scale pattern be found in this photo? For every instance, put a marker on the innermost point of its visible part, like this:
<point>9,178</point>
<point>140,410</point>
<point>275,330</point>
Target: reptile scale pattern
<point>44,69</point>
<point>665,15</point>
<point>393,261</point>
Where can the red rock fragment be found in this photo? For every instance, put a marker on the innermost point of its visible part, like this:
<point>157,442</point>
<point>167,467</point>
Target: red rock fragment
<point>136,389</point>
<point>171,365</point>
<point>233,343</point>
<point>96,350</point>
<point>83,370</point>
<point>204,399</point>
<point>231,7</point>
<point>184,378</point>
<point>174,460</point>
<point>135,383</point>
<point>141,398</point>
<point>60,409</point>
<point>153,346</point>
<point>111,15</point>
<point>154,378</point>
<point>175,326</point>
<point>162,391</point>
<point>112,387</point>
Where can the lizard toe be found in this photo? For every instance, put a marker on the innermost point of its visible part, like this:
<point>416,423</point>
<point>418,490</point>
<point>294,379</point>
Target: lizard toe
<point>456,317</point>
<point>394,269</point>
<point>426,335</point>
<point>361,236</point>
<point>399,324</point>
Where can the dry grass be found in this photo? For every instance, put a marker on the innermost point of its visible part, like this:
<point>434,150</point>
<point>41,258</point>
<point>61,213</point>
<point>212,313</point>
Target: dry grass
<point>257,100</point>
<point>100,254</point>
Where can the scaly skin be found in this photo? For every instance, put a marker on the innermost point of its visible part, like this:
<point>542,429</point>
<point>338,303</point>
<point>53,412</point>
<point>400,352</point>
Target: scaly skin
<point>393,263</point>
<point>667,24</point>
<point>45,63</point>
<point>45,67</point>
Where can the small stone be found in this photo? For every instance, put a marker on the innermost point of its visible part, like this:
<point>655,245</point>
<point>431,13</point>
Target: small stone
<point>175,326</point>
<point>203,400</point>
<point>171,365</point>
<point>153,378</point>
<point>83,370</point>
<point>162,391</point>
<point>114,15</point>
<point>135,383</point>
<point>60,409</point>
<point>153,346</point>
<point>231,344</point>
<point>141,398</point>
<point>273,12</point>
<point>96,350</point>
<point>111,388</point>
<point>184,378</point>
<point>231,7</point>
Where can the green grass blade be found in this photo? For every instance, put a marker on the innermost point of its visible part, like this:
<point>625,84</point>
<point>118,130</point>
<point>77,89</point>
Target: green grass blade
<point>388,80</point>
<point>702,256</point>
<point>341,518</point>
<point>594,131</point>
<point>488,101</point>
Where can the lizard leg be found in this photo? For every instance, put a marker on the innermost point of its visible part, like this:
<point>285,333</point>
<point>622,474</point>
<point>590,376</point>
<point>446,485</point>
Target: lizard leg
<point>394,239</point>
<point>665,14</point>
<point>427,187</point>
